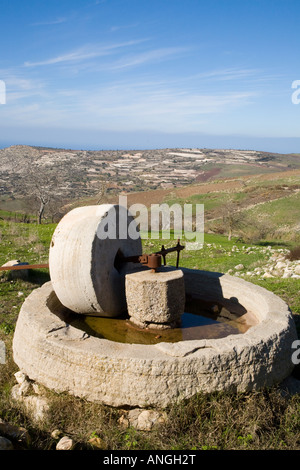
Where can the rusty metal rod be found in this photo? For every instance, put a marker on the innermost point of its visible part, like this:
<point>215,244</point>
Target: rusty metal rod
<point>143,259</point>
<point>163,252</point>
<point>23,266</point>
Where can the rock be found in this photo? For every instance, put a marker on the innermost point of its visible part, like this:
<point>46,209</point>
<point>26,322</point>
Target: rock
<point>267,275</point>
<point>147,419</point>
<point>21,377</point>
<point>65,443</point>
<point>297,269</point>
<point>15,433</point>
<point>239,267</point>
<point>142,420</point>
<point>37,388</point>
<point>56,434</point>
<point>16,274</point>
<point>123,421</point>
<point>97,443</point>
<point>20,390</point>
<point>37,406</point>
<point>286,274</point>
<point>280,265</point>
<point>5,444</point>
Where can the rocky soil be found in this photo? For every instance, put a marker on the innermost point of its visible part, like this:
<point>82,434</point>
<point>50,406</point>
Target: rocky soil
<point>277,264</point>
<point>35,402</point>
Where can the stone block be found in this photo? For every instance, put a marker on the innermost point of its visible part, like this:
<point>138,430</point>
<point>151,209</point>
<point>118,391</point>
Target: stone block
<point>155,299</point>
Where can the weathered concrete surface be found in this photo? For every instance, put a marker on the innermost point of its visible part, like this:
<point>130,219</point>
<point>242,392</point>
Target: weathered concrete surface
<point>155,300</point>
<point>63,358</point>
<point>81,263</point>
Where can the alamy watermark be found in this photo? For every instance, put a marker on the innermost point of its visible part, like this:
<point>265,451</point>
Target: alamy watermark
<point>296,353</point>
<point>2,92</point>
<point>160,221</point>
<point>296,93</point>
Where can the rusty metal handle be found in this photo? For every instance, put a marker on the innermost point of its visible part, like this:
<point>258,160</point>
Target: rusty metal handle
<point>23,266</point>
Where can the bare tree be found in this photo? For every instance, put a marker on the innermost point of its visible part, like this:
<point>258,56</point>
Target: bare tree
<point>42,188</point>
<point>44,199</point>
<point>232,217</point>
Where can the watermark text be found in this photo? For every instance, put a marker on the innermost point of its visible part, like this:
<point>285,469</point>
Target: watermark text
<point>2,92</point>
<point>159,221</point>
<point>296,353</point>
<point>296,93</point>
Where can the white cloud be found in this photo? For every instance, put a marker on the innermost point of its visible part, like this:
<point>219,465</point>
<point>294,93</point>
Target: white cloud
<point>229,74</point>
<point>146,106</point>
<point>19,87</point>
<point>124,107</point>
<point>148,57</point>
<point>83,53</point>
<point>115,28</point>
<point>50,22</point>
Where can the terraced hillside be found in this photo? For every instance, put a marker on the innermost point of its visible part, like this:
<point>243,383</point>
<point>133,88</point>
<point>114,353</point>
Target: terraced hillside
<point>248,193</point>
<point>73,174</point>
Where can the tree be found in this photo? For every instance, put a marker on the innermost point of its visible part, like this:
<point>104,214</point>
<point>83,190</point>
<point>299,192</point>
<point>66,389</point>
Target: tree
<point>42,187</point>
<point>232,217</point>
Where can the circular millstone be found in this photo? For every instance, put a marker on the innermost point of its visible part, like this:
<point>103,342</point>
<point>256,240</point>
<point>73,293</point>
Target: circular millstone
<point>61,357</point>
<point>155,299</point>
<point>82,259</point>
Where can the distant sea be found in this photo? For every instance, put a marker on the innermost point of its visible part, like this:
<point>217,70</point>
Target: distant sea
<point>5,144</point>
<point>281,145</point>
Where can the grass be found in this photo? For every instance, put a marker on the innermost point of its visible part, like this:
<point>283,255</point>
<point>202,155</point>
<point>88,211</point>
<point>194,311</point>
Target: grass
<point>266,207</point>
<point>282,211</point>
<point>219,421</point>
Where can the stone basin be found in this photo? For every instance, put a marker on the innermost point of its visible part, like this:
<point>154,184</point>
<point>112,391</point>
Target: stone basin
<point>66,359</point>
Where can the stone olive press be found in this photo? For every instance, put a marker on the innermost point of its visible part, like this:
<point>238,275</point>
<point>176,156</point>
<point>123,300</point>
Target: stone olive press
<point>99,277</point>
<point>93,275</point>
<point>156,297</point>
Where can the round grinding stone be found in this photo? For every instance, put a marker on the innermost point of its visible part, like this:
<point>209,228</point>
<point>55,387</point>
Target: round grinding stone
<point>82,259</point>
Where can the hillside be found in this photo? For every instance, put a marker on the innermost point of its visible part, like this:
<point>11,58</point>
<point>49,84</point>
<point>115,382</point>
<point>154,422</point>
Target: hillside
<point>247,193</point>
<point>71,175</point>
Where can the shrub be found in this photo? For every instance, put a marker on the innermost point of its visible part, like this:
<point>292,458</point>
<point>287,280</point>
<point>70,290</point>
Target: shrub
<point>294,254</point>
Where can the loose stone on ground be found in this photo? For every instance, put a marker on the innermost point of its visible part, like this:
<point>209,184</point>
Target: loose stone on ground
<point>142,420</point>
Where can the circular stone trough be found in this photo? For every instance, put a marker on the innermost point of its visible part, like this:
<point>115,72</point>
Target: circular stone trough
<point>64,358</point>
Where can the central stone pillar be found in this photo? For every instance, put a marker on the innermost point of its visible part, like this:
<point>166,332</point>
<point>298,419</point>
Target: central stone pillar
<point>155,299</point>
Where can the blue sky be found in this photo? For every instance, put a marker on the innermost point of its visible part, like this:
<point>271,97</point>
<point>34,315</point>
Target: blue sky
<point>135,74</point>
